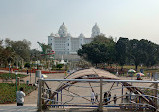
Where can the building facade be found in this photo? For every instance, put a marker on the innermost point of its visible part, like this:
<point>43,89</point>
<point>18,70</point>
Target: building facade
<point>64,44</point>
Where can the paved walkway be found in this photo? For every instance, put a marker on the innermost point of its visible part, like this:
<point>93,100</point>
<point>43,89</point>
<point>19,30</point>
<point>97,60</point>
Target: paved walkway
<point>18,108</point>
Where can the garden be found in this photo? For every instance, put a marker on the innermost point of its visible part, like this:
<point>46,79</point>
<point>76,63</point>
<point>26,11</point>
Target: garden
<point>8,92</point>
<point>11,75</point>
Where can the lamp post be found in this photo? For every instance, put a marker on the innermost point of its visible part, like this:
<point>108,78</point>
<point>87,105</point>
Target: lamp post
<point>30,71</point>
<point>16,79</point>
<point>9,70</point>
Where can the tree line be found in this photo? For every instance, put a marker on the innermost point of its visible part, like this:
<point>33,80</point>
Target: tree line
<point>103,50</point>
<point>14,52</point>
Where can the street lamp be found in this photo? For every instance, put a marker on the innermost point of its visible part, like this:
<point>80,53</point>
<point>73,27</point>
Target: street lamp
<point>9,70</point>
<point>16,78</point>
<point>30,71</point>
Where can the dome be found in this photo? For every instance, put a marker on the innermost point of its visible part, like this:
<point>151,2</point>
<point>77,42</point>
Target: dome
<point>62,30</point>
<point>95,30</point>
<point>81,36</point>
<point>52,34</point>
<point>95,27</point>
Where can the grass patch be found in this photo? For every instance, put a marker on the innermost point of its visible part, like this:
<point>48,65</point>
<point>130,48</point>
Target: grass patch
<point>8,92</point>
<point>11,76</point>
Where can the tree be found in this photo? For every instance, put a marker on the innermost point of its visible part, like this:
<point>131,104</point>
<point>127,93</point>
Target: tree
<point>35,54</point>
<point>150,52</point>
<point>7,56</point>
<point>134,52</point>
<point>122,51</point>
<point>100,50</point>
<point>59,66</point>
<point>21,48</point>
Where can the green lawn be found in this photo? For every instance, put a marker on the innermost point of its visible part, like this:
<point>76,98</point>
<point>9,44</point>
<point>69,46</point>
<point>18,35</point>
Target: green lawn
<point>8,92</point>
<point>11,76</point>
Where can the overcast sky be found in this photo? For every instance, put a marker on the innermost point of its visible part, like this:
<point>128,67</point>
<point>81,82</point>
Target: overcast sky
<point>34,20</point>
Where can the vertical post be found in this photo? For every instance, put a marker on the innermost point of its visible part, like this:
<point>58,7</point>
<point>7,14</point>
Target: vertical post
<point>156,93</point>
<point>100,108</point>
<point>9,70</point>
<point>122,91</point>
<point>35,77</point>
<point>30,72</point>
<point>61,97</point>
<point>43,90</point>
<point>57,97</point>
<point>39,102</point>
<point>131,77</point>
<point>16,79</point>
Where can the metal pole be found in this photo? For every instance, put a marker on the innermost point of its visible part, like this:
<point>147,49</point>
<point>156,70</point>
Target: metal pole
<point>39,102</point>
<point>35,76</point>
<point>122,91</point>
<point>43,90</point>
<point>61,97</point>
<point>30,75</point>
<point>30,72</point>
<point>9,70</point>
<point>57,98</point>
<point>131,77</point>
<point>156,92</point>
<point>16,79</point>
<point>100,108</point>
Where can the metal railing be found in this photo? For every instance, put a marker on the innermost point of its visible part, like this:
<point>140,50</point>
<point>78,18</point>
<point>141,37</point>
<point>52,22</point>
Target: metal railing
<point>145,101</point>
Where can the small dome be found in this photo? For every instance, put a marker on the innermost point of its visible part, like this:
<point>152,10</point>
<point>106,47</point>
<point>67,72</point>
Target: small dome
<point>62,30</point>
<point>81,36</point>
<point>52,34</point>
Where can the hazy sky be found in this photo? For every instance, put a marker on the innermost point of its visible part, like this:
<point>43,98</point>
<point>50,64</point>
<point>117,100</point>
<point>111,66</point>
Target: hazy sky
<point>34,20</point>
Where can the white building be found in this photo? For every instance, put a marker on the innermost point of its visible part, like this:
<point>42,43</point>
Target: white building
<point>64,44</point>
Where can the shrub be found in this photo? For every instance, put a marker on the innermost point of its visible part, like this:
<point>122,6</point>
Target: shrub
<point>59,66</point>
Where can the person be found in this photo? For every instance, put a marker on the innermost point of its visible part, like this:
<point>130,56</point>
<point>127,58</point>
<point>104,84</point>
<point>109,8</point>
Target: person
<point>96,97</point>
<point>138,77</point>
<point>109,96</point>
<point>92,97</point>
<point>105,98</point>
<point>127,97</point>
<point>20,97</point>
<point>115,99</point>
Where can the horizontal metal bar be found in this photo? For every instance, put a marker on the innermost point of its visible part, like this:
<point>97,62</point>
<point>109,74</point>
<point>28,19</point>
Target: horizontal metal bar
<point>98,80</point>
<point>121,105</point>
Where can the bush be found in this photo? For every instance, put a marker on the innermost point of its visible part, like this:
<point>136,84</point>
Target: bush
<point>59,66</point>
<point>11,76</point>
<point>27,65</point>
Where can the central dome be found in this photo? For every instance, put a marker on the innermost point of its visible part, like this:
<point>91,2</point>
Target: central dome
<point>95,31</point>
<point>62,30</point>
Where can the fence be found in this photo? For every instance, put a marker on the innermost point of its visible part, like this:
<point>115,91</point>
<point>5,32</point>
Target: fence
<point>97,93</point>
